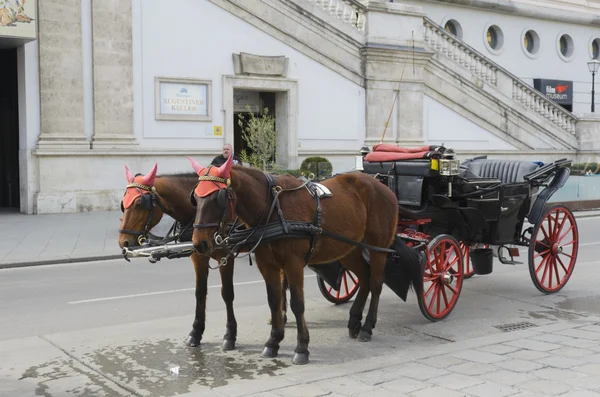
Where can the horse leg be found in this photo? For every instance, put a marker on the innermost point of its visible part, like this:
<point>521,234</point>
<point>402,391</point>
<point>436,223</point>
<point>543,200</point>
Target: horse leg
<point>378,260</point>
<point>295,276</point>
<point>284,300</point>
<point>228,295</point>
<point>356,263</point>
<point>201,269</point>
<point>272,277</point>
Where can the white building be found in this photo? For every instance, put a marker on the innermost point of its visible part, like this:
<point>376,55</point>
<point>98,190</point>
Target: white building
<point>91,86</point>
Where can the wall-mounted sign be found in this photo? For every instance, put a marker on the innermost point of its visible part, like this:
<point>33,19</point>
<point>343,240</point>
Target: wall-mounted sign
<point>250,64</point>
<point>218,130</point>
<point>559,91</point>
<point>18,19</point>
<point>183,99</point>
<point>241,99</point>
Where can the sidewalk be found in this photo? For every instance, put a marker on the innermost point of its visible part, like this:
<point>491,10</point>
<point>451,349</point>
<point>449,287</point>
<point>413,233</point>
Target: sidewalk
<point>29,240</point>
<point>528,359</point>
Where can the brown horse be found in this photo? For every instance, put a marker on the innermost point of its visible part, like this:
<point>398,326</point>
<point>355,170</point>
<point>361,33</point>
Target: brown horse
<point>146,199</point>
<point>362,211</point>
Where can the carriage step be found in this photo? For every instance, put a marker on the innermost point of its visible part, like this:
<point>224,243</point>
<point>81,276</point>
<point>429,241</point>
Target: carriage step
<point>509,262</point>
<point>513,251</point>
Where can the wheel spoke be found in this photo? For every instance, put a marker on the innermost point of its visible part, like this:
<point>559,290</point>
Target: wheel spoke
<point>544,260</point>
<point>562,264</point>
<point>431,287</point>
<point>560,238</point>
<point>445,296</point>
<point>346,283</point>
<point>543,253</point>
<point>433,296</point>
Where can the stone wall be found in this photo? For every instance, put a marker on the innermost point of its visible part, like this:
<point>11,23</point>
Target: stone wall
<point>61,90</point>
<point>113,74</point>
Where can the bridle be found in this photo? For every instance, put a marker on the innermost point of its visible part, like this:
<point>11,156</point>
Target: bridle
<point>148,202</point>
<point>224,197</point>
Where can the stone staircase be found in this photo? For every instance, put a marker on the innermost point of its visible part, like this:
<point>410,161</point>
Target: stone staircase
<point>558,124</point>
<point>335,33</point>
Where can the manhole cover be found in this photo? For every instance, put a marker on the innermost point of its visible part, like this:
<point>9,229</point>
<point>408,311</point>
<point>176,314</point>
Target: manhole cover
<point>515,326</point>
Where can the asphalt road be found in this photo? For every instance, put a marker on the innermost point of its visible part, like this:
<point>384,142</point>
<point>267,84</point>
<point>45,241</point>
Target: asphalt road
<point>111,306</point>
<point>69,297</point>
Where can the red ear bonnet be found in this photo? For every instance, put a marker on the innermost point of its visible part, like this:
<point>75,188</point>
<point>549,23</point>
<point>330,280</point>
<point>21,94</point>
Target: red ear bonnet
<point>225,169</point>
<point>129,175</point>
<point>133,192</point>
<point>206,187</point>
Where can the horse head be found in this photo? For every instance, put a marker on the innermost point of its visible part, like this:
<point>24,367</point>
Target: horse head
<point>212,196</point>
<point>140,212</point>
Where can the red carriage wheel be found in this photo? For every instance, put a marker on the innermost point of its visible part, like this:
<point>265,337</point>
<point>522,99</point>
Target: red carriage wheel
<point>442,277</point>
<point>553,249</point>
<point>348,288</point>
<point>468,271</point>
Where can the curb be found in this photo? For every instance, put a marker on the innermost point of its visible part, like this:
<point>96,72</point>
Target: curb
<point>59,261</point>
<point>579,214</point>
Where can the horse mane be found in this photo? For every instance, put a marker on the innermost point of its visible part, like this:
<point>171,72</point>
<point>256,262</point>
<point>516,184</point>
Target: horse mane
<point>177,185</point>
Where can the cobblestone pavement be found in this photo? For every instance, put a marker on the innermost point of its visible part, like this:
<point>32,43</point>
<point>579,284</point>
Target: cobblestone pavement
<point>561,359</point>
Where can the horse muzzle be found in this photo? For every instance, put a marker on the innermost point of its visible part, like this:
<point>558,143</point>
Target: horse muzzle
<point>202,246</point>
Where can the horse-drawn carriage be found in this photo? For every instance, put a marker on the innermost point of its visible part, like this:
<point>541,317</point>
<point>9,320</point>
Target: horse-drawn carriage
<point>419,217</point>
<point>456,212</point>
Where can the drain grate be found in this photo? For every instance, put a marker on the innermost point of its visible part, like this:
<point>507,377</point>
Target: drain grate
<point>515,326</point>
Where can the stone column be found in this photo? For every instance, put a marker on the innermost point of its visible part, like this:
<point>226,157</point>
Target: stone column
<point>588,136</point>
<point>61,92</point>
<point>113,75</point>
<point>395,60</point>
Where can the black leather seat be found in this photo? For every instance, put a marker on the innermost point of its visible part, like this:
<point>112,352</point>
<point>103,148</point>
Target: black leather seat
<point>508,171</point>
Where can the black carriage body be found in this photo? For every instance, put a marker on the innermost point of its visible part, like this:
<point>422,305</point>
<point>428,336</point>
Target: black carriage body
<point>413,181</point>
<point>488,202</point>
<point>504,212</point>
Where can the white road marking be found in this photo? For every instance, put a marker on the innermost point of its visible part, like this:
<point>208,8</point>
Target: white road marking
<point>165,292</point>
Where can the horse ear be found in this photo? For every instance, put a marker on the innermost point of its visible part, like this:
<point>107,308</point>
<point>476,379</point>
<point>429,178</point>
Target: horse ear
<point>129,175</point>
<point>197,167</point>
<point>225,169</point>
<point>148,179</point>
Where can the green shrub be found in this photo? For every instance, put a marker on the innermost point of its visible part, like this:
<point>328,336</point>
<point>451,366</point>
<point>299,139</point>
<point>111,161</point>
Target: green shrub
<point>319,166</point>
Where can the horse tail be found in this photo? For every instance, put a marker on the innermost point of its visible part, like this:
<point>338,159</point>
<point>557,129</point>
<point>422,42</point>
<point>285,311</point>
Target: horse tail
<point>404,269</point>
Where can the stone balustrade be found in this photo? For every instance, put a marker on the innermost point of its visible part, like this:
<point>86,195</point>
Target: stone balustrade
<point>535,101</point>
<point>349,11</point>
<point>443,42</point>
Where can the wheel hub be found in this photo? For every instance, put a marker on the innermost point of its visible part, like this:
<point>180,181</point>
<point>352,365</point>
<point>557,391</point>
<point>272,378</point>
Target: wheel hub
<point>446,278</point>
<point>556,249</point>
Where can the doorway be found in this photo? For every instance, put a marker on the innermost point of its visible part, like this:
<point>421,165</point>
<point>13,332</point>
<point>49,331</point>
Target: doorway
<point>9,130</point>
<point>258,101</point>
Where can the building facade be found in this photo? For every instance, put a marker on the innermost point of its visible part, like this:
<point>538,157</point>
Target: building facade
<point>91,86</point>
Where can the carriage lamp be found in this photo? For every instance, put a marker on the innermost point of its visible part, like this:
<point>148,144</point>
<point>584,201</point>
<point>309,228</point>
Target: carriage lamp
<point>364,150</point>
<point>448,167</point>
<point>593,67</point>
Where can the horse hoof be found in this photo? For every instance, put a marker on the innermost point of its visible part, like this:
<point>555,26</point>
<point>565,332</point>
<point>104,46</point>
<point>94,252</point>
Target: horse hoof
<point>228,345</point>
<point>300,359</point>
<point>284,319</point>
<point>364,336</point>
<point>192,341</point>
<point>353,333</point>
<point>269,352</point>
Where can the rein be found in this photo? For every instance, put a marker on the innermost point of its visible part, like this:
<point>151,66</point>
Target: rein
<point>271,231</point>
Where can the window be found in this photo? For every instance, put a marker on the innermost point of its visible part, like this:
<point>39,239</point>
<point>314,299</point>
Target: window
<point>494,39</point>
<point>566,48</point>
<point>531,43</point>
<point>595,49</point>
<point>453,27</point>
